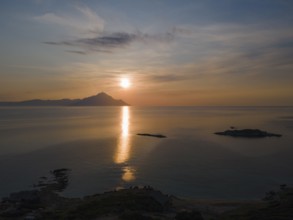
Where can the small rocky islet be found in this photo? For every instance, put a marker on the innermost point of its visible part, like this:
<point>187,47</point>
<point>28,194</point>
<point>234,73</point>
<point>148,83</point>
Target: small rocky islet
<point>248,133</point>
<point>152,135</point>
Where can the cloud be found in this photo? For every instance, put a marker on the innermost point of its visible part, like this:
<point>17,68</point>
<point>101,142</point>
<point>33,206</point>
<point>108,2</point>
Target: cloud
<point>86,33</point>
<point>84,21</point>
<point>108,42</point>
<point>168,77</point>
<point>76,51</point>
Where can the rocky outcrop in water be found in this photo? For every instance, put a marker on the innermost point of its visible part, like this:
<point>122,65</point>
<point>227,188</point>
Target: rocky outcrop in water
<point>249,133</point>
<point>152,135</point>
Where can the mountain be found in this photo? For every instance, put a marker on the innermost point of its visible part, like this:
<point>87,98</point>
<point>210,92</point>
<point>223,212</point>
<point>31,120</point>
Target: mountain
<point>101,99</point>
<point>39,102</point>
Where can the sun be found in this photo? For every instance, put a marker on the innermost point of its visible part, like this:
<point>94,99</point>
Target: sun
<point>125,83</point>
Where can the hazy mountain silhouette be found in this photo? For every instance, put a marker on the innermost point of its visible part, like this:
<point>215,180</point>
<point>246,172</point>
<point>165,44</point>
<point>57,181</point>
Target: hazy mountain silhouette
<point>101,99</point>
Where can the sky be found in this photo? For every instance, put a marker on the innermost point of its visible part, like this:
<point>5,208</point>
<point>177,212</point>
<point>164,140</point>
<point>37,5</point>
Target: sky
<point>188,52</point>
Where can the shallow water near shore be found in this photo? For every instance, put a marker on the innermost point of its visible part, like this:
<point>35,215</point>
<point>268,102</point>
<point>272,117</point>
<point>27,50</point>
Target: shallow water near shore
<point>100,146</point>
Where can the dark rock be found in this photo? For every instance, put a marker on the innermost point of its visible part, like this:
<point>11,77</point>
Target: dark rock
<point>250,133</point>
<point>152,135</point>
<point>194,215</point>
<point>129,203</point>
<point>134,216</point>
<point>278,205</point>
<point>11,212</point>
<point>283,186</point>
<point>58,182</point>
<point>25,196</point>
<point>18,204</point>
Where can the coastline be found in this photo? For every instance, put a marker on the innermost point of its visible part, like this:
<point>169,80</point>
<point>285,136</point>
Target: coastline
<point>45,202</point>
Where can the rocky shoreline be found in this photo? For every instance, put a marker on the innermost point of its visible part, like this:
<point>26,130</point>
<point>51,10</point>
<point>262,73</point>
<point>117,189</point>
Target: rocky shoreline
<point>146,203</point>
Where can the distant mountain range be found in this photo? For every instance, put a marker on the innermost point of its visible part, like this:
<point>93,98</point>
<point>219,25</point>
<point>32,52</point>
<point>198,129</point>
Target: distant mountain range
<point>101,99</point>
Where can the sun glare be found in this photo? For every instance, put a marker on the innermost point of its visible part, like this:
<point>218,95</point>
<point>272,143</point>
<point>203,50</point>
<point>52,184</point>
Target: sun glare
<point>125,83</point>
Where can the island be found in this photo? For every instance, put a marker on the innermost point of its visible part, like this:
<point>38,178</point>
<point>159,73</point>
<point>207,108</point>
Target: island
<point>249,133</point>
<point>101,99</point>
<point>152,135</point>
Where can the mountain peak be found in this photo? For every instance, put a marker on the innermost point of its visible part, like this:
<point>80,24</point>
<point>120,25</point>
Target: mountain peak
<point>101,98</point>
<point>103,94</point>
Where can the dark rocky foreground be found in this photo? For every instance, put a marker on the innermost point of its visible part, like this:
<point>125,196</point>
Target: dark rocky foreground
<point>44,202</point>
<point>249,133</point>
<point>136,203</point>
<point>275,206</point>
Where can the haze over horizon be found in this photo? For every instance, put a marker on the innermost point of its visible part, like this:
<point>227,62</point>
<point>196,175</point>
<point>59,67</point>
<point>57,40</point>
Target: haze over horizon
<point>203,52</point>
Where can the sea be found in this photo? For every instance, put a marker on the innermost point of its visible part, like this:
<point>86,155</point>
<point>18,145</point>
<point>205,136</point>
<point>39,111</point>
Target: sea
<point>101,147</point>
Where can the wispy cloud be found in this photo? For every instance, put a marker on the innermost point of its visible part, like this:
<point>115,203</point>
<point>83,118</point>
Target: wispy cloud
<point>84,21</point>
<point>240,37</point>
<point>85,31</point>
<point>108,42</point>
<point>167,77</point>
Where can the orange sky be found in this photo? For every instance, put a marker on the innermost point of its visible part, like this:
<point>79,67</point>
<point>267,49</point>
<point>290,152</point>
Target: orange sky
<point>196,53</point>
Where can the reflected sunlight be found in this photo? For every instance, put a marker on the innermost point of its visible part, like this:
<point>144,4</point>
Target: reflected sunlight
<point>123,147</point>
<point>125,121</point>
<point>128,174</point>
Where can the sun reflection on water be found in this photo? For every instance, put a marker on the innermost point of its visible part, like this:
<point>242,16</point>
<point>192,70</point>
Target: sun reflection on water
<point>125,122</point>
<point>124,145</point>
<point>128,174</point>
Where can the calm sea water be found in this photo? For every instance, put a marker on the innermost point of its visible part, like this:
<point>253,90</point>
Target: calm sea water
<point>101,147</point>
